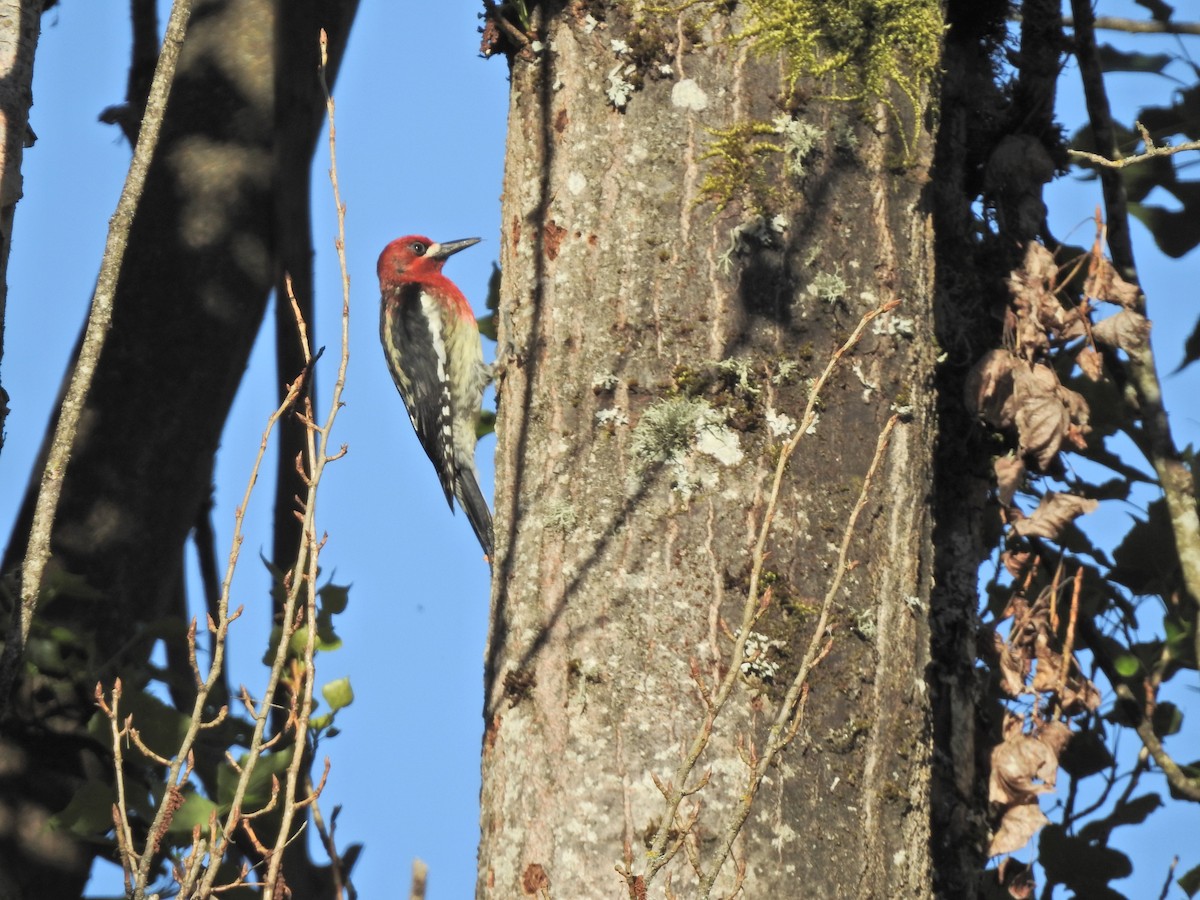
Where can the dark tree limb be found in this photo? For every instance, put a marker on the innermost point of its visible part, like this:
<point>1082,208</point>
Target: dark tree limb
<point>200,264</point>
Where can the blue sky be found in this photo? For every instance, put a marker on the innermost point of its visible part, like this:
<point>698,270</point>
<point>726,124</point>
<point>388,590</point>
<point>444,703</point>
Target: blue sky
<point>421,123</point>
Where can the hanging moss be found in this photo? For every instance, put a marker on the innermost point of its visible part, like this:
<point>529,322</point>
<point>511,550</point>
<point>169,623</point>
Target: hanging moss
<point>866,52</point>
<point>864,46</point>
<point>736,164</point>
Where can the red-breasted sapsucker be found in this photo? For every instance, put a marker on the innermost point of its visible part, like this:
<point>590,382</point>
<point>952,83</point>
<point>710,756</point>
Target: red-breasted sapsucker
<point>431,342</point>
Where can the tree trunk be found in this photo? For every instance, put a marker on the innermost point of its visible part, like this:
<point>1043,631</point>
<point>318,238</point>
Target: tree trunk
<point>20,22</point>
<point>658,348</point>
<point>202,258</point>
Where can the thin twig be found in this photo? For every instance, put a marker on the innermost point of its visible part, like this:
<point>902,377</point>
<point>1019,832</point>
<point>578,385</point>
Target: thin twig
<point>1177,778</point>
<point>1152,150</point>
<point>1139,26</point>
<point>1069,642</point>
<point>1178,486</point>
<point>658,854</point>
<point>129,857</point>
<point>318,456</point>
<point>787,720</point>
<point>1166,888</point>
<point>37,553</point>
<point>420,874</point>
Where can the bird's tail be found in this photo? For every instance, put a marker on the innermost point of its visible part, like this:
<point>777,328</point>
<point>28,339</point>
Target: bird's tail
<point>470,498</point>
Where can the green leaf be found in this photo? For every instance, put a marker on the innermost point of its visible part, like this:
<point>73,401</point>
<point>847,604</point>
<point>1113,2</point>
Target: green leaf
<point>1191,348</point>
<point>90,810</point>
<point>161,727</point>
<point>1085,754</point>
<point>1160,10</point>
<point>195,810</point>
<point>1134,812</point>
<point>334,598</point>
<point>1167,719</point>
<point>485,424</point>
<point>1189,881</point>
<point>1146,562</point>
<point>1176,232</point>
<point>338,694</point>
<point>487,324</point>
<point>1081,866</point>
<point>1114,60</point>
<point>1127,665</point>
<point>258,789</point>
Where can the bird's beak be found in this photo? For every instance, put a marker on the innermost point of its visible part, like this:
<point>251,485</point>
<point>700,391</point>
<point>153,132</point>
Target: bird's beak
<point>449,248</point>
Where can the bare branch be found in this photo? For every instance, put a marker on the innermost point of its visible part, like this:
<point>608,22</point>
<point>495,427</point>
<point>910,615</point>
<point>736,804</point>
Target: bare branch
<point>787,721</point>
<point>1176,777</point>
<point>660,854</point>
<point>37,553</point>
<point>1138,26</point>
<point>1152,150</point>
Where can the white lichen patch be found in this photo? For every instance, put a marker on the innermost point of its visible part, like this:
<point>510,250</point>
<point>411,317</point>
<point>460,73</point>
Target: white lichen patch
<point>611,418</point>
<point>827,286</point>
<point>739,368</point>
<point>687,94</point>
<point>784,835</point>
<point>560,516</point>
<point>756,655</point>
<point>779,424</point>
<point>868,386</point>
<point>757,231</point>
<point>674,432</point>
<point>721,443</point>
<point>800,138</point>
<point>620,89</point>
<point>784,370</point>
<point>576,183</point>
<point>891,326</point>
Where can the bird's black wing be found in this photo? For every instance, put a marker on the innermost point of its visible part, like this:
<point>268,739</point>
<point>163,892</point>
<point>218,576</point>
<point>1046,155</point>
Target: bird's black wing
<point>420,375</point>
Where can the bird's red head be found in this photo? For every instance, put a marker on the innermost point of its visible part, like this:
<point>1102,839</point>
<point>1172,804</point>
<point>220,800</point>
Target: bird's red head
<point>416,258</point>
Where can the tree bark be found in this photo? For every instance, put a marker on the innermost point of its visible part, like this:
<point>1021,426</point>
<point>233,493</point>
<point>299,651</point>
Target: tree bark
<point>621,575</point>
<point>201,262</point>
<point>20,22</point>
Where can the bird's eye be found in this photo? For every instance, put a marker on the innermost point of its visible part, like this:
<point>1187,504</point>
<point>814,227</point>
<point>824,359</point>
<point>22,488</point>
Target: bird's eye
<point>418,248</point>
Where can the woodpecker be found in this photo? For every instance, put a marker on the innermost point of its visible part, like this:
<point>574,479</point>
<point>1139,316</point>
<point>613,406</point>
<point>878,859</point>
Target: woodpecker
<point>431,341</point>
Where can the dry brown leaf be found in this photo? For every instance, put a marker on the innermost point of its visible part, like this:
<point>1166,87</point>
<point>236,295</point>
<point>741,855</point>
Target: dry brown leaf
<point>1016,828</point>
<point>1077,406</point>
<point>1030,338</point>
<point>1040,264</point>
<point>1016,877</point>
<point>1055,735</point>
<point>1075,437</point>
<point>989,388</point>
<point>1015,562</point>
<point>1010,473</point>
<point>1126,330</point>
<point>1053,514</point>
<point>1022,768</point>
<point>1012,726</point>
<point>1048,669</point>
<point>1035,314</point>
<point>1104,283</point>
<point>1013,668</point>
<point>1040,417</point>
<point>1091,363</point>
<point>1078,695</point>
